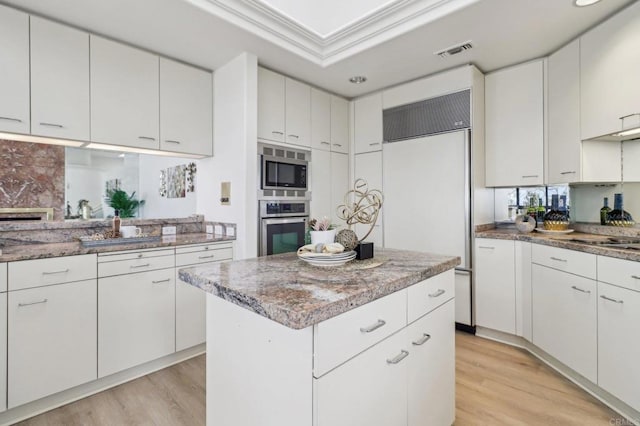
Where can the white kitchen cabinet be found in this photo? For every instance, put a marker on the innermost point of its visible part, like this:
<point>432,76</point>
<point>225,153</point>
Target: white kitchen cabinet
<point>320,184</point>
<point>298,112</point>
<point>320,120</point>
<point>514,134</point>
<point>3,277</point>
<point>620,272</point>
<point>564,145</point>
<point>124,95</point>
<point>51,340</point>
<point>271,105</point>
<point>339,183</point>
<point>14,71</point>
<point>3,351</point>
<point>618,352</point>
<point>186,108</point>
<point>368,166</point>
<point>136,319</point>
<point>601,161</point>
<point>339,125</point>
<point>368,123</point>
<point>495,285</point>
<point>432,361</point>
<point>370,389</point>
<point>55,270</point>
<point>523,289</point>
<point>631,160</point>
<point>565,318</point>
<point>609,68</point>
<point>59,80</point>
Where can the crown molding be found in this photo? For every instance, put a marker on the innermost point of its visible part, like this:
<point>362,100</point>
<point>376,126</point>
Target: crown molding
<point>389,21</point>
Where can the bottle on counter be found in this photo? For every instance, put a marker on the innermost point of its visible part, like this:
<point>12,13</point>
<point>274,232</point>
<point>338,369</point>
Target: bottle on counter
<point>116,223</point>
<point>541,212</point>
<point>604,211</point>
<point>618,216</point>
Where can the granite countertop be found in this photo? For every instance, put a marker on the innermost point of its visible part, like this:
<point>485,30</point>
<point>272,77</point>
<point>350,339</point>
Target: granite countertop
<point>44,250</point>
<point>297,295</point>
<point>564,241</point>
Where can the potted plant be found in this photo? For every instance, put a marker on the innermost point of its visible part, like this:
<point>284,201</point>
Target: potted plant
<point>127,204</point>
<point>322,231</point>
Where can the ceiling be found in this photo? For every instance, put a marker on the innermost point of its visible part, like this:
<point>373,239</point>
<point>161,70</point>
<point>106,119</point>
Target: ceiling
<point>389,41</point>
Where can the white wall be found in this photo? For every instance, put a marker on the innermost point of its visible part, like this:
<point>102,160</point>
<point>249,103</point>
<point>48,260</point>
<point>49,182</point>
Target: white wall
<point>156,206</point>
<point>235,157</point>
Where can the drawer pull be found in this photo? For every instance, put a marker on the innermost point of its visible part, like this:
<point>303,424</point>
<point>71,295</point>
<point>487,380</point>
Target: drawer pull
<point>161,281</point>
<point>64,271</point>
<point>275,132</point>
<point>395,360</point>
<point>635,277</point>
<point>20,305</point>
<point>487,247</point>
<point>374,144</point>
<point>567,173</point>
<point>438,293</point>
<point>612,300</point>
<point>294,136</point>
<point>146,265</point>
<point>373,327</point>
<point>17,120</point>
<point>59,126</point>
<point>529,176</point>
<point>337,144</point>
<point>211,256</point>
<point>558,259</point>
<point>425,337</point>
<point>146,138</point>
<point>325,143</point>
<point>581,289</point>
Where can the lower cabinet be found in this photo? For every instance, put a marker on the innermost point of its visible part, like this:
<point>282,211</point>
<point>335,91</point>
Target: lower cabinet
<point>51,340</point>
<point>565,318</point>
<point>618,346</point>
<point>3,350</point>
<point>136,319</point>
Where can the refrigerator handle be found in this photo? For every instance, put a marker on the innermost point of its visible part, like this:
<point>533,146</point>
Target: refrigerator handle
<point>467,200</point>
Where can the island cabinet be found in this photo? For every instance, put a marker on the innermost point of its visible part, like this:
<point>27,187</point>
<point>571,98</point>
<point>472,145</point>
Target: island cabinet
<point>14,70</point>
<point>3,337</point>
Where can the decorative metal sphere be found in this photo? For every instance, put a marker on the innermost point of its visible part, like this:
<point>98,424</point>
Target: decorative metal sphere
<point>347,238</point>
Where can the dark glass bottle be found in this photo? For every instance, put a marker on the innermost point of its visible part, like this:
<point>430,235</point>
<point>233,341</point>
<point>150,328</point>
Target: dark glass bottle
<point>555,220</point>
<point>116,223</point>
<point>604,211</point>
<point>541,212</point>
<point>618,216</point>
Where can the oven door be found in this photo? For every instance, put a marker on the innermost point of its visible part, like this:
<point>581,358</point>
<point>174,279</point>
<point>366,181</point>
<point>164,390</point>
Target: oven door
<point>282,234</point>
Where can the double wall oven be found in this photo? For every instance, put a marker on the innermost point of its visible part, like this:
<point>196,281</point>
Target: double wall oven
<point>283,199</point>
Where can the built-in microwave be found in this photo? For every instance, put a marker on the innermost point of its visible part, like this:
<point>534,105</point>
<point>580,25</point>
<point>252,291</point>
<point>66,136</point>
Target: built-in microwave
<point>284,173</point>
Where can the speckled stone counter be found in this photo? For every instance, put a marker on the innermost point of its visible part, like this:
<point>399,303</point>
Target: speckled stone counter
<point>564,241</point>
<point>297,295</point>
<point>39,251</point>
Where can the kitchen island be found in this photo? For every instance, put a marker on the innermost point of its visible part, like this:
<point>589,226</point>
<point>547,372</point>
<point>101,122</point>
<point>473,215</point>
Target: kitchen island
<point>368,343</point>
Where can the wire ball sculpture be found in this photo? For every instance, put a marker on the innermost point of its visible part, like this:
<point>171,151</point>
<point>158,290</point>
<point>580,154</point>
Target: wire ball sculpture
<point>365,207</point>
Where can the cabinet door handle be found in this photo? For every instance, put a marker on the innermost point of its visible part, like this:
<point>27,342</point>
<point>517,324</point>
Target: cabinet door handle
<point>630,115</point>
<point>529,176</point>
<point>581,289</point>
<point>425,337</point>
<point>438,293</point>
<point>161,281</point>
<point>207,257</point>
<point>558,259</point>
<point>64,271</point>
<point>325,143</point>
<point>172,141</point>
<point>20,305</point>
<point>294,136</point>
<point>396,359</point>
<point>611,299</point>
<point>275,132</point>
<point>146,138</point>
<point>59,126</point>
<point>374,144</point>
<point>146,265</point>
<point>635,277</point>
<point>568,173</point>
<point>487,247</point>
<point>373,327</point>
<point>17,120</point>
<point>337,144</point>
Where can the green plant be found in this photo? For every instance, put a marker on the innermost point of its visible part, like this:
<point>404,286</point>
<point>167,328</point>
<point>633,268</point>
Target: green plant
<point>126,204</point>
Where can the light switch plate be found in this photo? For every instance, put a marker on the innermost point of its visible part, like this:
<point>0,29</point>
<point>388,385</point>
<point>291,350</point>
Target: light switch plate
<point>225,193</point>
<point>209,229</point>
<point>168,230</point>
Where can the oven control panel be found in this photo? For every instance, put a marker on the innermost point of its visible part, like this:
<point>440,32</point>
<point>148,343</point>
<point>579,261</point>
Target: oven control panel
<point>284,208</point>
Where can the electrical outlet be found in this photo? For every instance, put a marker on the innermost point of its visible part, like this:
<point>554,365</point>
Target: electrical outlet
<point>209,229</point>
<point>219,230</point>
<point>168,230</point>
<point>231,231</point>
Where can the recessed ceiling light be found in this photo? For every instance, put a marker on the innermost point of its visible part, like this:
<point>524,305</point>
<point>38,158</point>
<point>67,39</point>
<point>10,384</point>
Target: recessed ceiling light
<point>358,79</point>
<point>582,3</point>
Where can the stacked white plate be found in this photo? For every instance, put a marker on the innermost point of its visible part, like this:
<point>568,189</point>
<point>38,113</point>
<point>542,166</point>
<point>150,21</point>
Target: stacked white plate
<point>327,259</point>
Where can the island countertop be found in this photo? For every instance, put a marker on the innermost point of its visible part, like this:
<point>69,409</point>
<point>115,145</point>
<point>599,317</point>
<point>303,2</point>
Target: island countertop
<point>297,295</point>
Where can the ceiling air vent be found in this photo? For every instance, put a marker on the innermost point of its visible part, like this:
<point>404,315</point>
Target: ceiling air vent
<point>454,50</point>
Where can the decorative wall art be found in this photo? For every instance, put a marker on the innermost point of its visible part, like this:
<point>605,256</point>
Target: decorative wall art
<point>176,181</point>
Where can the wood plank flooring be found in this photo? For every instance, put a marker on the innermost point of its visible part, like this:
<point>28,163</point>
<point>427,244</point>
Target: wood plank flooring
<point>495,385</point>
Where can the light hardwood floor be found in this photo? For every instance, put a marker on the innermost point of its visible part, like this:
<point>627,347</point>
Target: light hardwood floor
<point>495,385</point>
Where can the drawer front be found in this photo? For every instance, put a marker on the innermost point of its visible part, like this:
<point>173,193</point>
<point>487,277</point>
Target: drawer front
<point>574,262</point>
<point>3,277</point>
<point>134,254</point>
<point>429,294</point>
<point>56,270</point>
<point>203,247</point>
<point>344,336</point>
<point>142,264</point>
<point>624,273</point>
<point>204,256</point>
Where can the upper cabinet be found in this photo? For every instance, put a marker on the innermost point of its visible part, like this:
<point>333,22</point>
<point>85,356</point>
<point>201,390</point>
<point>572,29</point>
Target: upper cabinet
<point>186,108</point>
<point>609,66</point>
<point>270,105</point>
<point>320,120</point>
<point>59,80</point>
<point>298,113</point>
<point>368,123</point>
<point>124,95</point>
<point>14,71</point>
<point>514,108</point>
<point>339,125</point>
<point>563,154</point>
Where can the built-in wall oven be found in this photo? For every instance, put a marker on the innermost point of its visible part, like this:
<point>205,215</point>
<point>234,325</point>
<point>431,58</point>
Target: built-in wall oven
<point>283,225</point>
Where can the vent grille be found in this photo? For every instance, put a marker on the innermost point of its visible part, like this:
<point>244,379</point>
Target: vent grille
<point>279,193</point>
<point>268,192</point>
<point>267,151</point>
<point>279,153</point>
<point>301,193</point>
<point>454,50</point>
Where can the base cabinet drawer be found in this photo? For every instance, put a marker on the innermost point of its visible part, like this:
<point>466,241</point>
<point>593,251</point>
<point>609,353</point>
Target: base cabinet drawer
<point>3,351</point>
<point>620,272</point>
<point>56,270</point>
<point>574,262</point>
<point>51,340</point>
<point>429,294</point>
<point>136,319</point>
